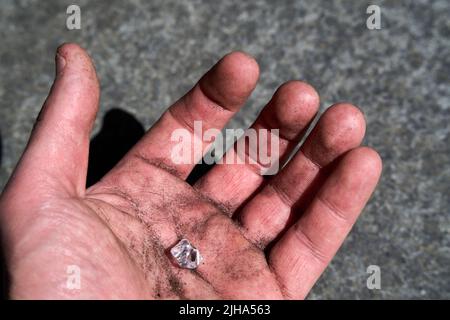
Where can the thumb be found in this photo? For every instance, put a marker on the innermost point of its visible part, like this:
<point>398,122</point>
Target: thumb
<point>56,157</point>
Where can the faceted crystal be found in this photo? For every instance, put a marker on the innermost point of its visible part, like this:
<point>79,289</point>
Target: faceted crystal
<point>186,255</point>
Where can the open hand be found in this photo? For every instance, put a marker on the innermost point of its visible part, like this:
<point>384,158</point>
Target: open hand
<point>261,237</point>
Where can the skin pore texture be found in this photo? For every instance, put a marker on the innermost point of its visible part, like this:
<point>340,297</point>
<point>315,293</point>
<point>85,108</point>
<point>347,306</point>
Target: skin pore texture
<point>260,237</point>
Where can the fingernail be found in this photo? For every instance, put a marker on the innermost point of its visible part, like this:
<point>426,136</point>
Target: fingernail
<point>60,63</point>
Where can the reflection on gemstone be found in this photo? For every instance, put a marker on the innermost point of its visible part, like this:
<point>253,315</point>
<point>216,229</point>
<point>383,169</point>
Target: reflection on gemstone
<point>186,255</point>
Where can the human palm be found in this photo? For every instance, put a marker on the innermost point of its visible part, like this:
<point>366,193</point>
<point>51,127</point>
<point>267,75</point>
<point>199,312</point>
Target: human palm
<point>259,237</point>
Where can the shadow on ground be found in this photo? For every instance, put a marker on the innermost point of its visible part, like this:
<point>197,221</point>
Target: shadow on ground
<point>119,132</point>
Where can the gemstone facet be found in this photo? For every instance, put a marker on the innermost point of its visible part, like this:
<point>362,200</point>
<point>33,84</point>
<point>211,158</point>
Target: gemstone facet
<point>186,255</point>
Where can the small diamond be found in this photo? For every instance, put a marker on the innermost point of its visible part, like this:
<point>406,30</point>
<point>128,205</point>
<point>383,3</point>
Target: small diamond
<point>186,255</point>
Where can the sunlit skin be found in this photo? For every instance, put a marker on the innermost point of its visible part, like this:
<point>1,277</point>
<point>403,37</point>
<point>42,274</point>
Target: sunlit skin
<point>261,237</point>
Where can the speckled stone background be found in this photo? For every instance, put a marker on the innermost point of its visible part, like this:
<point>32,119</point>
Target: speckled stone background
<point>148,53</point>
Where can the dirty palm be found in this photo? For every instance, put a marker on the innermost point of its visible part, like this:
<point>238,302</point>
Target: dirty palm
<point>259,237</point>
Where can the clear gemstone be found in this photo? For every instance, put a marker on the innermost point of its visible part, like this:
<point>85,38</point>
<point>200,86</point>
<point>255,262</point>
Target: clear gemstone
<point>186,255</point>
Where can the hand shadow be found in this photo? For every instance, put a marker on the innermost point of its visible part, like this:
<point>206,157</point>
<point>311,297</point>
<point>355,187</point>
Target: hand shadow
<point>120,131</point>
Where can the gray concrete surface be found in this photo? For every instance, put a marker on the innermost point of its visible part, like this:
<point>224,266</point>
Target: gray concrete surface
<point>148,53</point>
